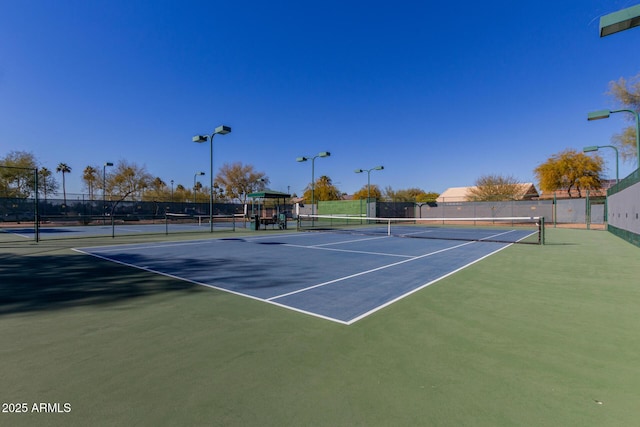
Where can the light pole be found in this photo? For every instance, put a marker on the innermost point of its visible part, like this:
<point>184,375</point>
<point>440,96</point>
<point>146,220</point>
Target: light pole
<point>313,184</point>
<point>195,189</point>
<point>171,191</point>
<point>104,189</point>
<point>595,148</point>
<point>368,171</point>
<point>604,114</point>
<point>222,130</point>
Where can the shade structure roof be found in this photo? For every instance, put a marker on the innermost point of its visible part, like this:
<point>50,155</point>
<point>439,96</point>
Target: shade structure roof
<point>268,194</point>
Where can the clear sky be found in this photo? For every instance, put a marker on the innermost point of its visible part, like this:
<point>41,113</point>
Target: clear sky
<point>439,92</point>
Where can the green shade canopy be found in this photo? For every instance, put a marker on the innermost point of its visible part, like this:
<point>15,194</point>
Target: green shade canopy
<point>269,194</point>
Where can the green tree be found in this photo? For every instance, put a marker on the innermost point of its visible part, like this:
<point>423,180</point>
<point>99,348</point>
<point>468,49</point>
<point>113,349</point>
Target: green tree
<point>364,192</point>
<point>157,190</point>
<point>404,195</point>
<point>182,194</point>
<point>197,189</point>
<point>218,193</point>
<point>626,94</point>
<point>494,188</point>
<point>238,180</point>
<point>46,182</point>
<point>570,170</point>
<point>429,197</point>
<point>64,168</point>
<point>17,178</point>
<point>324,190</point>
<point>90,179</point>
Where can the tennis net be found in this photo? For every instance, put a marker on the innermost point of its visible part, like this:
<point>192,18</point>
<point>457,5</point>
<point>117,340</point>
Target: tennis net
<point>201,221</point>
<point>504,230</point>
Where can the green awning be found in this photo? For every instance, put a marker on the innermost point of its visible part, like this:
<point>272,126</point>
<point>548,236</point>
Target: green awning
<point>269,194</point>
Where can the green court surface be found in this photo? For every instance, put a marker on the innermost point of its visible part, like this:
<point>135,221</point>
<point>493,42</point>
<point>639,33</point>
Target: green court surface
<point>533,335</point>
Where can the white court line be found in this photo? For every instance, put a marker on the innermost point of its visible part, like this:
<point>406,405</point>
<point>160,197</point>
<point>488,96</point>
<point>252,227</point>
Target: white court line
<point>271,300</point>
<point>351,241</point>
<point>380,307</point>
<point>218,288</point>
<point>368,271</point>
<point>347,250</point>
<point>134,246</point>
<point>24,236</point>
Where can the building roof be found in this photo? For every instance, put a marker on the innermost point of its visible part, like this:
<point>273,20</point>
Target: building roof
<point>460,194</point>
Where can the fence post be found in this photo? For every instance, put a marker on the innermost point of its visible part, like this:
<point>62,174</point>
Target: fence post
<point>588,212</point>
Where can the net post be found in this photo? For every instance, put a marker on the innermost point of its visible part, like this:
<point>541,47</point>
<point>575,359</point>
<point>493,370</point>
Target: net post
<point>541,237</point>
<point>36,211</point>
<point>166,224</point>
<point>389,227</point>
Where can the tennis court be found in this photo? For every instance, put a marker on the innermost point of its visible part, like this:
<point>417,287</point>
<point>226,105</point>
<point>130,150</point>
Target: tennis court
<point>335,276</point>
<point>172,223</point>
<point>531,335</point>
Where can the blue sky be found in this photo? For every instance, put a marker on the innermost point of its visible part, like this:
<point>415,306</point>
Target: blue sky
<point>439,92</point>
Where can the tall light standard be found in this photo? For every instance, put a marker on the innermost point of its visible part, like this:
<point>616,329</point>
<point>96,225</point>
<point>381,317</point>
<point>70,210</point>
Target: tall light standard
<point>368,171</point>
<point>221,130</point>
<point>604,114</point>
<point>595,148</point>
<point>195,189</point>
<point>104,189</point>
<point>313,184</point>
<point>171,191</point>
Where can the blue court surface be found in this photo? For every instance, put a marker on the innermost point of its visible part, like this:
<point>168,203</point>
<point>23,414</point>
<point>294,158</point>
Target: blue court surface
<point>338,277</point>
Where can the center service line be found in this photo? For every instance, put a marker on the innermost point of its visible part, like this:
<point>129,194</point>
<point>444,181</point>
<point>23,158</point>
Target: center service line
<point>367,272</point>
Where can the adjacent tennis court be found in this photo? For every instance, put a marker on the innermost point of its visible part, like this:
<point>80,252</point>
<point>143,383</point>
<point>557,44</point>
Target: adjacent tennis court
<point>339,277</point>
<point>67,228</point>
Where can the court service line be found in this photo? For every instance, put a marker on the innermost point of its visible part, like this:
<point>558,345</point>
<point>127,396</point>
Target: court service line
<point>366,272</point>
<point>316,247</point>
<point>351,241</point>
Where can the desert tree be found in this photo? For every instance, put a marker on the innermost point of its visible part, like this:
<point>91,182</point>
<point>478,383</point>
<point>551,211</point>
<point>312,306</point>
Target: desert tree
<point>324,190</point>
<point>127,179</point>
<point>238,180</point>
<point>364,192</point>
<point>569,170</point>
<point>626,94</point>
<point>494,188</point>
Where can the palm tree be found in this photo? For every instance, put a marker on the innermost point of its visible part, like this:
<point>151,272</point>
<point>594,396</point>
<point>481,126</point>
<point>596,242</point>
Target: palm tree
<point>90,177</point>
<point>64,168</point>
<point>44,174</point>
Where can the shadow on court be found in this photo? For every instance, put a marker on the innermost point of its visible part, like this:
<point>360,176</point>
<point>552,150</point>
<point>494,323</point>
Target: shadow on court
<point>59,281</point>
